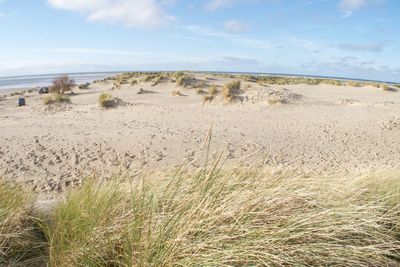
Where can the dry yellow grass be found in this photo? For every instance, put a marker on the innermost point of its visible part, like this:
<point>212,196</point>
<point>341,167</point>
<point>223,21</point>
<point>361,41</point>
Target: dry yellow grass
<point>222,216</point>
<point>212,90</point>
<point>106,100</point>
<point>56,98</point>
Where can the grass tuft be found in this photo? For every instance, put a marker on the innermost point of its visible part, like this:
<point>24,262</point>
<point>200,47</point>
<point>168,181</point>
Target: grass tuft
<point>56,98</point>
<point>212,90</point>
<point>106,100</point>
<point>18,244</point>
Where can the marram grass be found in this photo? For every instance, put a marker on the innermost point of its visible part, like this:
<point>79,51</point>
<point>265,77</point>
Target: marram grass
<point>228,217</point>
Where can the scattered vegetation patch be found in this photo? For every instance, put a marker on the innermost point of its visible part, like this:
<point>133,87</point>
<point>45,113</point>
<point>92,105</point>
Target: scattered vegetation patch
<point>231,90</point>
<point>62,84</point>
<point>107,100</point>
<point>385,87</point>
<point>212,90</point>
<point>84,86</point>
<point>184,81</point>
<point>56,98</point>
<point>354,84</point>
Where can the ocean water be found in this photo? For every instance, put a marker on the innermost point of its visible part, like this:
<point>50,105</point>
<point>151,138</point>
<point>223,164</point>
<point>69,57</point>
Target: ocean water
<point>33,81</point>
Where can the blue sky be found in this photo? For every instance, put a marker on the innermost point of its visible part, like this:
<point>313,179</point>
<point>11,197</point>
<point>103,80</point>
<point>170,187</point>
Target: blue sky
<point>346,38</point>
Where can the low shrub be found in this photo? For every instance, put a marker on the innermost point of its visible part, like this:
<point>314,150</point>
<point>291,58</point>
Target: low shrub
<point>62,84</point>
<point>84,86</point>
<point>106,100</point>
<point>56,98</point>
<point>212,90</point>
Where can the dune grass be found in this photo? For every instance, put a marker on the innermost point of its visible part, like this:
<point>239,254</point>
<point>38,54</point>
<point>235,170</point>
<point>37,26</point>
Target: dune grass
<point>106,100</point>
<point>223,217</point>
<point>56,98</point>
<point>18,243</point>
<point>212,90</point>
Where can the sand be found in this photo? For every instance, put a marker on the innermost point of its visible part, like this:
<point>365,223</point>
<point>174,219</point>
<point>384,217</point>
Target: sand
<point>317,128</point>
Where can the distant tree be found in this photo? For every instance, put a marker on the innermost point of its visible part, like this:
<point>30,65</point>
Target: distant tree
<point>62,84</point>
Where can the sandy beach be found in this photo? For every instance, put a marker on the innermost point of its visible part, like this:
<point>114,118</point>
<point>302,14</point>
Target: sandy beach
<point>316,128</point>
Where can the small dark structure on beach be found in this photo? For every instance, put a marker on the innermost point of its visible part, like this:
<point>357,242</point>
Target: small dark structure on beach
<point>44,90</point>
<point>21,101</point>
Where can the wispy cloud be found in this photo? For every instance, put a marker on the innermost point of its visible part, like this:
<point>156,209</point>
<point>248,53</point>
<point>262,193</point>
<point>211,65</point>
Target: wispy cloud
<point>349,6</point>
<point>213,5</point>
<point>133,13</point>
<point>363,47</point>
<point>236,26</point>
<point>217,4</point>
<point>246,41</point>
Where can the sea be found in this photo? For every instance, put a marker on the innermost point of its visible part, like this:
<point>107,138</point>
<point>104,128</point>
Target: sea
<point>34,81</point>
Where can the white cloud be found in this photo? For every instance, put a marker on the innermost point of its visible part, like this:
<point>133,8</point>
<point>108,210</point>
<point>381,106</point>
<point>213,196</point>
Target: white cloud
<point>217,4</point>
<point>368,47</point>
<point>249,42</point>
<point>133,13</point>
<point>349,6</point>
<point>235,26</point>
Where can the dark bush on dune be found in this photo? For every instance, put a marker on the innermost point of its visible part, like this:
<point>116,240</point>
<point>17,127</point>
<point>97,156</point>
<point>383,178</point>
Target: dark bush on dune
<point>62,84</point>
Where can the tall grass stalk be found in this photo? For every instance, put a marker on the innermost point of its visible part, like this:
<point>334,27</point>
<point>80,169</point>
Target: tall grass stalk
<point>226,217</point>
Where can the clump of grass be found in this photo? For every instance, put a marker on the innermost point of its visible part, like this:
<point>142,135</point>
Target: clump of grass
<point>212,90</point>
<point>230,90</point>
<point>106,100</point>
<point>87,229</point>
<point>385,87</point>
<point>176,93</point>
<point>56,98</point>
<point>217,217</point>
<point>184,81</point>
<point>17,240</point>
<point>233,86</point>
<point>354,84</point>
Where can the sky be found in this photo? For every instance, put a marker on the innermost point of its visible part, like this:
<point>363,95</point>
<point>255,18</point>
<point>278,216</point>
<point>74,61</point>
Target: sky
<point>341,38</point>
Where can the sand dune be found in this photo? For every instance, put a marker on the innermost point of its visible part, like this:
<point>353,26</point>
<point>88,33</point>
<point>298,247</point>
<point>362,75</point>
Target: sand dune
<point>315,128</point>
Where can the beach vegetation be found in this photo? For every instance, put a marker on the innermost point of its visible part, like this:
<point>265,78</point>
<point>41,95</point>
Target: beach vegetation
<point>218,216</point>
<point>212,90</point>
<point>84,86</point>
<point>62,84</point>
<point>56,98</point>
<point>106,100</point>
<point>18,241</point>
